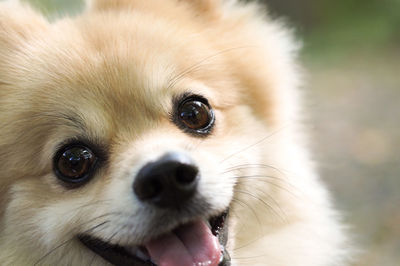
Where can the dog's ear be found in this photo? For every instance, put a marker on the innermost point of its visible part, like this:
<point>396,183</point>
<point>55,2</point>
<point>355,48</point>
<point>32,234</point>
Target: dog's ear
<point>18,23</point>
<point>209,7</point>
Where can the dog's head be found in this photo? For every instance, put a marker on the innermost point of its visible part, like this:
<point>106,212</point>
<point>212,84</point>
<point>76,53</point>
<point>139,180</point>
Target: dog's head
<point>141,130</point>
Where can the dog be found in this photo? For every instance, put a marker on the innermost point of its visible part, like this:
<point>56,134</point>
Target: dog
<point>145,132</point>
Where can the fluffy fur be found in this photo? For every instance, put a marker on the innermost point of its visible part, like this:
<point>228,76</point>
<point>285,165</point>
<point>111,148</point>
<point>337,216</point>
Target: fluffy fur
<point>109,76</point>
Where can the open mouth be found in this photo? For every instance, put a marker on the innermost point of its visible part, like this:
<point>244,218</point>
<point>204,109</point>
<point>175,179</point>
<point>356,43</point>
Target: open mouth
<point>197,243</point>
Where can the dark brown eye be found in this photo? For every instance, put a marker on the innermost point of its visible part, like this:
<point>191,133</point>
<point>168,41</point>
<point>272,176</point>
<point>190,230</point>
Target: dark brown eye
<point>74,163</point>
<point>195,114</point>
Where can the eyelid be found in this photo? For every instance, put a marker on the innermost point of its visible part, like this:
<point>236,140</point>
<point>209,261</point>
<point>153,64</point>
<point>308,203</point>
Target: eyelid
<point>99,149</point>
<point>174,116</point>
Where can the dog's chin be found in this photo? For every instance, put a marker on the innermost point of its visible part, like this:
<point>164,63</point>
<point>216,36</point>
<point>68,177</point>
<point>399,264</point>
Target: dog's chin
<point>202,242</point>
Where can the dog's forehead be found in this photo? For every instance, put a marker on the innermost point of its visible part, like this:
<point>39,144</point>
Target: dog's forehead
<point>134,62</point>
<point>125,77</point>
<point>116,73</point>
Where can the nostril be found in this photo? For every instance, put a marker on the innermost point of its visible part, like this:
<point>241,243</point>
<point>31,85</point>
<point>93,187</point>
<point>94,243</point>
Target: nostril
<point>168,182</point>
<point>148,189</point>
<point>186,174</point>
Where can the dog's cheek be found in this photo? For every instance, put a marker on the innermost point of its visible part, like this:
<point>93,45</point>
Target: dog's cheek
<point>217,162</point>
<point>50,216</point>
<point>31,216</point>
<point>214,186</point>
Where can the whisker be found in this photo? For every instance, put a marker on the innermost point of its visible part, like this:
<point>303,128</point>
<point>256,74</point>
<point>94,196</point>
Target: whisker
<point>196,66</point>
<point>254,144</point>
<point>254,240</point>
<point>269,207</point>
<point>250,208</point>
<point>67,241</point>
<point>265,180</point>
<point>276,204</point>
<point>254,166</point>
<point>80,225</point>
<point>248,243</point>
<point>249,258</point>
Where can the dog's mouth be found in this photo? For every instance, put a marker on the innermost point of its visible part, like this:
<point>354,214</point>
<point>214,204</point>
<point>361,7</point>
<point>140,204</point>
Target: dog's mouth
<point>197,243</point>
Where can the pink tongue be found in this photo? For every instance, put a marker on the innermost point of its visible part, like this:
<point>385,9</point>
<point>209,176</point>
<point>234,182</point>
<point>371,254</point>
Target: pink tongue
<point>191,244</point>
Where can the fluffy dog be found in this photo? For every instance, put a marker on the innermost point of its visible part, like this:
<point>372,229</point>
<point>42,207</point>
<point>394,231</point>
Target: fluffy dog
<point>147,132</point>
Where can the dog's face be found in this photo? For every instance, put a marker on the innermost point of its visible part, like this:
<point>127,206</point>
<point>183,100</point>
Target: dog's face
<point>134,132</point>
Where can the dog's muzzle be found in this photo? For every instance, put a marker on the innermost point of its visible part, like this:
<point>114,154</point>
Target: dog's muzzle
<point>168,184</point>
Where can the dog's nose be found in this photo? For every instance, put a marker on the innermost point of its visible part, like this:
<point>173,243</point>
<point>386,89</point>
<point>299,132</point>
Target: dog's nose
<point>167,182</point>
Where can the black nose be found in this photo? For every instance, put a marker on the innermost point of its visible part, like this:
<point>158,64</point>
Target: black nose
<point>168,182</point>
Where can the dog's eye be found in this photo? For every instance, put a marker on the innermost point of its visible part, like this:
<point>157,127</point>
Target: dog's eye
<point>195,114</point>
<point>74,163</point>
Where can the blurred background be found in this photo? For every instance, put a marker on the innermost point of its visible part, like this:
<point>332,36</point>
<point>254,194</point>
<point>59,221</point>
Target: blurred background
<point>352,59</point>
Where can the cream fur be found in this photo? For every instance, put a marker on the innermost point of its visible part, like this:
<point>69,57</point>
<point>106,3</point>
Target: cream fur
<point>110,69</point>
